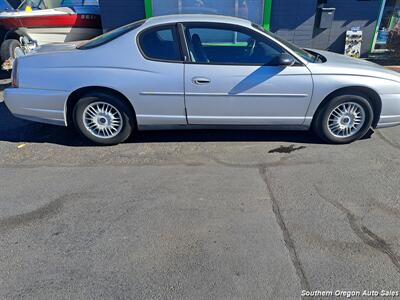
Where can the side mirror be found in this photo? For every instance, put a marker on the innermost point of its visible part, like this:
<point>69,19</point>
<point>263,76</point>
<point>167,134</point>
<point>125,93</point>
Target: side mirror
<point>285,60</point>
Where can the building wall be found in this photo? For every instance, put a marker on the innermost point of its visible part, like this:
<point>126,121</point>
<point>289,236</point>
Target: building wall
<point>349,13</point>
<point>295,20</point>
<point>115,13</point>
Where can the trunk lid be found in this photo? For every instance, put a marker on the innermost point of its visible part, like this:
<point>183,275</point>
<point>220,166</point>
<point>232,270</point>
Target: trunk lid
<point>56,47</point>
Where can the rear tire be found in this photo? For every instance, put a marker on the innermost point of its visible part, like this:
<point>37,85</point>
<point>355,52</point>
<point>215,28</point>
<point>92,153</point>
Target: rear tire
<point>344,119</point>
<point>103,118</point>
<point>7,49</point>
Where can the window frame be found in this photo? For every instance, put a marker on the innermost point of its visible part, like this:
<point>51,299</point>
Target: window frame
<point>250,31</point>
<point>176,33</point>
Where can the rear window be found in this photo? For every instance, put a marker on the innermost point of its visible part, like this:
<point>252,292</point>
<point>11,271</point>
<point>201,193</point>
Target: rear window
<point>109,36</point>
<point>160,43</point>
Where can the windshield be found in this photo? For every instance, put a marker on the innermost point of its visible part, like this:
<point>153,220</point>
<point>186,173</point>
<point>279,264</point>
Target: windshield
<point>45,4</point>
<point>4,5</point>
<point>39,4</point>
<point>109,36</point>
<point>304,54</point>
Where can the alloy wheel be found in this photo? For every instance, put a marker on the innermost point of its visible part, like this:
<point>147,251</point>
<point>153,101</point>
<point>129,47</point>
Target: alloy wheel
<point>102,120</point>
<point>346,119</point>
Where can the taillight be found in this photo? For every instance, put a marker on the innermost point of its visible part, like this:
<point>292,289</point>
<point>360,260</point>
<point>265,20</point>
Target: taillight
<point>14,74</point>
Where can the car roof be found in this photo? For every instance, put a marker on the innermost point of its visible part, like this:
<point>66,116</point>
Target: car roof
<point>196,18</point>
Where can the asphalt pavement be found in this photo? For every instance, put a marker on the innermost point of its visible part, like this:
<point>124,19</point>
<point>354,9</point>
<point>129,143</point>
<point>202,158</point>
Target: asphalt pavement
<point>195,215</point>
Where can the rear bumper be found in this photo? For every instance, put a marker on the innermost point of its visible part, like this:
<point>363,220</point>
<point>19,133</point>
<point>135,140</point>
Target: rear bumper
<point>44,106</point>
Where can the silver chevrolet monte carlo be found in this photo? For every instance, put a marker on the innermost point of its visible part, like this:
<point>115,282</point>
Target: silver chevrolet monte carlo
<point>200,71</point>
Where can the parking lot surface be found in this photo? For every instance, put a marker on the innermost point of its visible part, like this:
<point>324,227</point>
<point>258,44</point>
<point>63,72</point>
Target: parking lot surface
<point>195,215</point>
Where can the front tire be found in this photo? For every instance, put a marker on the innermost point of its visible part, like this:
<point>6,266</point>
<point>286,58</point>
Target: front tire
<point>103,118</point>
<point>344,119</point>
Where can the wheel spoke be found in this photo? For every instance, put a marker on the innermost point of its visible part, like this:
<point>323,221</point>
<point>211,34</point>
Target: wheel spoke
<point>346,119</point>
<point>102,120</point>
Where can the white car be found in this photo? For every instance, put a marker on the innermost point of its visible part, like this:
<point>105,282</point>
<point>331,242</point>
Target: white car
<point>192,71</point>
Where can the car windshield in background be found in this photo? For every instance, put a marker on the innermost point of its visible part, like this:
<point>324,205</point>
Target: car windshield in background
<point>109,36</point>
<point>4,5</point>
<point>304,54</point>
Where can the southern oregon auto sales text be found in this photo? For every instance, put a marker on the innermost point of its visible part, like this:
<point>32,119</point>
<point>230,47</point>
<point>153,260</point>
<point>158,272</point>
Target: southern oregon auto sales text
<point>349,294</point>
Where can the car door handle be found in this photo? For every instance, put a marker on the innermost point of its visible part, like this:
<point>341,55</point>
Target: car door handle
<point>201,80</point>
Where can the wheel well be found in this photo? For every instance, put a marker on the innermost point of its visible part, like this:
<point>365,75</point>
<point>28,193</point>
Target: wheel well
<point>12,35</point>
<point>78,94</point>
<point>15,34</point>
<point>372,96</point>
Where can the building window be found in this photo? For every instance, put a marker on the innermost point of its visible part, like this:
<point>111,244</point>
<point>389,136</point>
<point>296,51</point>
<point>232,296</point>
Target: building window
<point>387,38</point>
<point>247,9</point>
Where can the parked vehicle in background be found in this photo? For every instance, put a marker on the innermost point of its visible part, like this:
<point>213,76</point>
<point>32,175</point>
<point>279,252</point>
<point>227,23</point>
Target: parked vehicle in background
<point>39,22</point>
<point>201,71</point>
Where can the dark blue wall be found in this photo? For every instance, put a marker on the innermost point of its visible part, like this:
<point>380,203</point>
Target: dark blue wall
<point>349,13</point>
<point>115,13</point>
<point>294,20</point>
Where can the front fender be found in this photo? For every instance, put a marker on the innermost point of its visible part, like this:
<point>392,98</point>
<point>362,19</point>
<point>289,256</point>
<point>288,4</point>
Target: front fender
<point>324,85</point>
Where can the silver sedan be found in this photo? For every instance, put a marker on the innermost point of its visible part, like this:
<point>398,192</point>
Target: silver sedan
<point>196,71</point>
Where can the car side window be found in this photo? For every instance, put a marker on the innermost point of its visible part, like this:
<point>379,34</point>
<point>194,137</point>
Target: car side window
<point>160,43</point>
<point>209,44</point>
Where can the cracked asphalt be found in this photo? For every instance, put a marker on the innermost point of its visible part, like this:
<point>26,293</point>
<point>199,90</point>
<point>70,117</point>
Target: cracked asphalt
<point>195,215</point>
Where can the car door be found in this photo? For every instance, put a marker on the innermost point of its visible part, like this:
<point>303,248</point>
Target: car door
<point>161,82</point>
<point>233,78</point>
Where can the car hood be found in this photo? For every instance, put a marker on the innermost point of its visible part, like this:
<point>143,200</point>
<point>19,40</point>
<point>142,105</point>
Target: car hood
<point>338,64</point>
